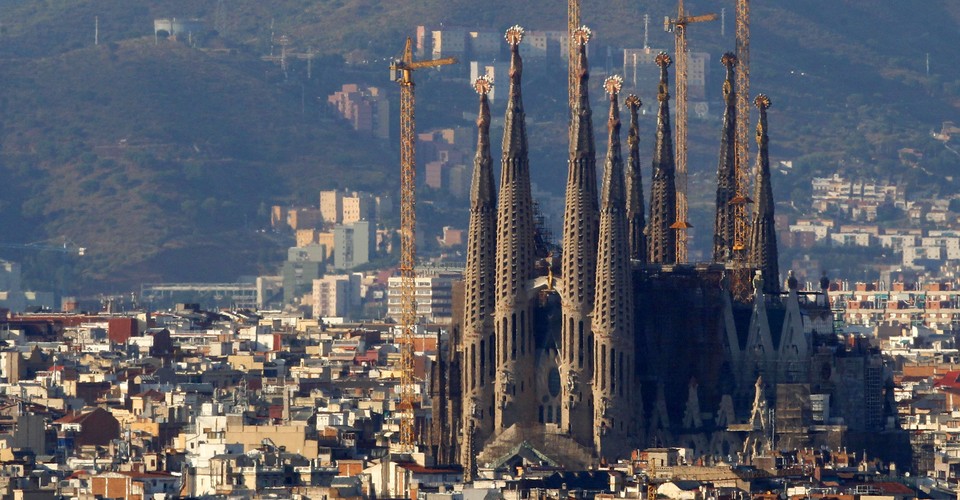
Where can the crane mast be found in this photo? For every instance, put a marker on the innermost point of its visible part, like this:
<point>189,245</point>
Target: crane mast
<point>740,285</point>
<point>679,27</point>
<point>403,74</point>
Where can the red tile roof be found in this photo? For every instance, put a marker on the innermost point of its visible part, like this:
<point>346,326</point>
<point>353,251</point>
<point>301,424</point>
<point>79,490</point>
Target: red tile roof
<point>950,380</point>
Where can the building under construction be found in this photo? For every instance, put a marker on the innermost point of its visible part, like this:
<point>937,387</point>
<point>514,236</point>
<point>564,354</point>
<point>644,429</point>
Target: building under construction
<point>566,360</point>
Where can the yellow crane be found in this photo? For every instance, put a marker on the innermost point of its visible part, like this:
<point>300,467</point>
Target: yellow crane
<point>740,285</point>
<point>573,76</point>
<point>679,27</point>
<point>403,74</point>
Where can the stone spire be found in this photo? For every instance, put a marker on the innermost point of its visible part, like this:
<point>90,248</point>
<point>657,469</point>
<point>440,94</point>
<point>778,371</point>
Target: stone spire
<point>661,239</point>
<point>479,277</point>
<point>612,318</point>
<point>723,228</point>
<point>763,236</point>
<point>579,259</point>
<point>636,221</point>
<point>514,261</point>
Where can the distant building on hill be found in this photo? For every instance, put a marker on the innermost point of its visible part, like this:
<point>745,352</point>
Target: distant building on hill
<point>365,108</point>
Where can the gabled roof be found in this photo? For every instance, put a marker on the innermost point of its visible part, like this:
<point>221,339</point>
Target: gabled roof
<point>151,394</point>
<point>950,380</point>
<point>525,451</point>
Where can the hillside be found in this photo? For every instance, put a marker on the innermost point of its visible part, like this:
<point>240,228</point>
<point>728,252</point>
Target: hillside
<point>161,158</point>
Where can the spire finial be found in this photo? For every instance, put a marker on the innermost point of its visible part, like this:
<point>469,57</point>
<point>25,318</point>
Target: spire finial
<point>582,35</point>
<point>613,84</point>
<point>514,35</point>
<point>762,102</point>
<point>729,59</point>
<point>483,85</point>
<point>663,92</point>
<point>633,184</point>
<point>663,60</point>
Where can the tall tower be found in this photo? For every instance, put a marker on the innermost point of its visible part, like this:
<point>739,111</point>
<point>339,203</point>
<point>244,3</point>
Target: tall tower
<point>579,261</point>
<point>612,318</point>
<point>513,393</point>
<point>478,344</point>
<point>636,222</point>
<point>661,239</point>
<point>763,236</point>
<point>724,224</point>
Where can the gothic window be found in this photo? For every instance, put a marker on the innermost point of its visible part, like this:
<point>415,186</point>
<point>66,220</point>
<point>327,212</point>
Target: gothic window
<point>513,336</point>
<point>483,358</point>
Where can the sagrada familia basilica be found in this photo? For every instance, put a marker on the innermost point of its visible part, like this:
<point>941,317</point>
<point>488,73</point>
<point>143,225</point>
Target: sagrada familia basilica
<point>613,345</point>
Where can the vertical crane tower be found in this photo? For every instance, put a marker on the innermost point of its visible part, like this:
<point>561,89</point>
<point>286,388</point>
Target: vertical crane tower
<point>403,74</point>
<point>679,27</point>
<point>740,285</point>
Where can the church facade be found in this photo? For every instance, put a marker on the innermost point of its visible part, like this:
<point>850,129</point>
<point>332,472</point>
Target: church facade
<point>612,345</point>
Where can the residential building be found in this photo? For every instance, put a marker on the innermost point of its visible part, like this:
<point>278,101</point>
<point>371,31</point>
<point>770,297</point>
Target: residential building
<point>434,296</point>
<point>336,295</point>
<point>365,108</point>
<point>355,244</point>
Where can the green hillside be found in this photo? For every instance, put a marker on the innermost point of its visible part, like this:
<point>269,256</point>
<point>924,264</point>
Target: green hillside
<point>161,158</point>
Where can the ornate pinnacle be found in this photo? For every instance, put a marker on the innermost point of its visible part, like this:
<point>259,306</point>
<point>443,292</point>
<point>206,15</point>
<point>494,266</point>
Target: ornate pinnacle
<point>613,84</point>
<point>663,60</point>
<point>633,102</point>
<point>729,59</point>
<point>514,34</point>
<point>483,85</point>
<point>762,101</point>
<point>582,35</point>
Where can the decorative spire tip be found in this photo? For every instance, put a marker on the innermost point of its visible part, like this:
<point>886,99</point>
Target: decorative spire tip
<point>762,101</point>
<point>633,101</point>
<point>582,35</point>
<point>613,84</point>
<point>483,85</point>
<point>729,59</point>
<point>664,60</point>
<point>514,34</point>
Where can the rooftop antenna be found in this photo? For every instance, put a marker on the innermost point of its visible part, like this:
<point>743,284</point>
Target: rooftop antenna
<point>220,18</point>
<point>309,63</point>
<point>284,43</point>
<point>646,31</point>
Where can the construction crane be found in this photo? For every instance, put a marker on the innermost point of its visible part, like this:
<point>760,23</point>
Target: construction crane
<point>573,76</point>
<point>678,27</point>
<point>740,284</point>
<point>402,70</point>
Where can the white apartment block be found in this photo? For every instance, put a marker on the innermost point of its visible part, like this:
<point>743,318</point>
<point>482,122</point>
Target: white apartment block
<point>347,207</point>
<point>897,242</point>
<point>820,229</point>
<point>851,239</point>
<point>913,255</point>
<point>433,295</point>
<point>335,295</point>
<point>932,305</point>
<point>358,206</point>
<point>449,42</point>
<point>331,206</point>
<point>857,197</point>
